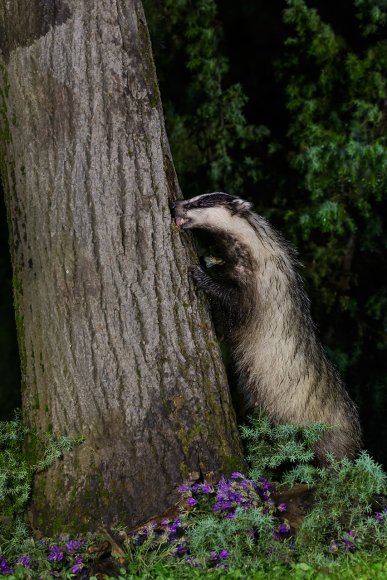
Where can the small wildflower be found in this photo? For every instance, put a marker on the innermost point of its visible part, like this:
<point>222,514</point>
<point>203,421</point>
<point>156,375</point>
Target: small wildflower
<point>265,484</point>
<point>24,561</point>
<point>173,526</point>
<point>191,501</point>
<point>282,507</point>
<point>140,537</point>
<point>55,554</point>
<point>4,568</point>
<point>195,486</point>
<point>183,488</point>
<point>237,475</point>
<point>175,530</point>
<point>378,516</point>
<point>207,488</point>
<point>348,543</point>
<point>224,554</point>
<point>78,565</point>
<point>74,545</point>
<point>280,532</point>
<point>181,549</point>
<point>214,556</point>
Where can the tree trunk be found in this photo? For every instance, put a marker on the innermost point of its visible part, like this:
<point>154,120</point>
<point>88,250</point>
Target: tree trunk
<point>115,344</point>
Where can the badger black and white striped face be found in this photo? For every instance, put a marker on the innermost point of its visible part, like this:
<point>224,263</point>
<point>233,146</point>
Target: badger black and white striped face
<point>211,211</point>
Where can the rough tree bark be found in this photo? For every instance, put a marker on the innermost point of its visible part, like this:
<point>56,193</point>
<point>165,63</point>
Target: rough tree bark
<point>115,344</point>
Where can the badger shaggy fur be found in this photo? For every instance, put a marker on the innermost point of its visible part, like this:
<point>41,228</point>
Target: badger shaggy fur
<point>282,363</point>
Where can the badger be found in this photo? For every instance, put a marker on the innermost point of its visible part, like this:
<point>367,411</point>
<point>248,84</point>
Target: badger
<point>285,372</point>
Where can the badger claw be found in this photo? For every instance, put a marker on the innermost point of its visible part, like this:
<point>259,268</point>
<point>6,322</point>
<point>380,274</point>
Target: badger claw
<point>197,273</point>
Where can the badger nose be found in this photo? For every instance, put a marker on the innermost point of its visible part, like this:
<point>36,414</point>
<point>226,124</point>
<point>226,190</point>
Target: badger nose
<point>174,205</point>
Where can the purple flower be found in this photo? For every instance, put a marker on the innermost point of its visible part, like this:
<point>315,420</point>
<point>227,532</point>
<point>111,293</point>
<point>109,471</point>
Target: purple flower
<point>181,549</point>
<point>265,484</point>
<point>56,554</point>
<point>74,545</point>
<point>224,554</point>
<point>221,505</point>
<point>24,561</point>
<point>238,492</point>
<point>348,543</point>
<point>175,525</point>
<point>78,565</point>
<point>191,501</point>
<point>237,475</point>
<point>140,537</point>
<point>235,497</point>
<point>214,556</point>
<point>207,488</point>
<point>184,488</point>
<point>282,507</point>
<point>379,517</point>
<point>175,529</point>
<point>4,568</point>
<point>280,532</point>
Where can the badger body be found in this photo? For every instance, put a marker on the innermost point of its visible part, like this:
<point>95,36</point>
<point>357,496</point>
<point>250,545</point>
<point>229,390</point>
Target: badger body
<point>282,363</point>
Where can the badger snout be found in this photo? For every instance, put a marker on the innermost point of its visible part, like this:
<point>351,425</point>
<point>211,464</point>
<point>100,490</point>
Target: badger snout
<point>178,212</point>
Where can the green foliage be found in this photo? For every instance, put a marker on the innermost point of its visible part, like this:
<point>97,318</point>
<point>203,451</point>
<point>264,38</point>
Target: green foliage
<point>337,147</point>
<point>248,537</point>
<point>16,470</point>
<point>15,538</point>
<point>372,14</point>
<point>338,120</point>
<point>344,498</point>
<point>354,566</point>
<point>270,449</point>
<point>345,491</point>
<point>15,473</point>
<point>211,141</point>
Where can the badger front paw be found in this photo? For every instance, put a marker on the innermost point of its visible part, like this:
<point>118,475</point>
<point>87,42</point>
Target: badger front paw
<point>198,275</point>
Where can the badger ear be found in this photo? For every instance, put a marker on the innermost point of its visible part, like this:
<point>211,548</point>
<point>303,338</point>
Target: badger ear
<point>241,205</point>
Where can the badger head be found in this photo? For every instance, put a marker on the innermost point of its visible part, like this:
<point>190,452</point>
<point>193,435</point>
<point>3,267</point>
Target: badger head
<point>211,211</point>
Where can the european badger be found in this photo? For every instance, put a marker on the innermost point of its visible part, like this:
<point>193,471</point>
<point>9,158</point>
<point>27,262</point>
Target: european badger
<point>277,352</point>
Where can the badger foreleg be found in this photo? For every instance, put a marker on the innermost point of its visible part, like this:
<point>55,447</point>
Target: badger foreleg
<point>227,295</point>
